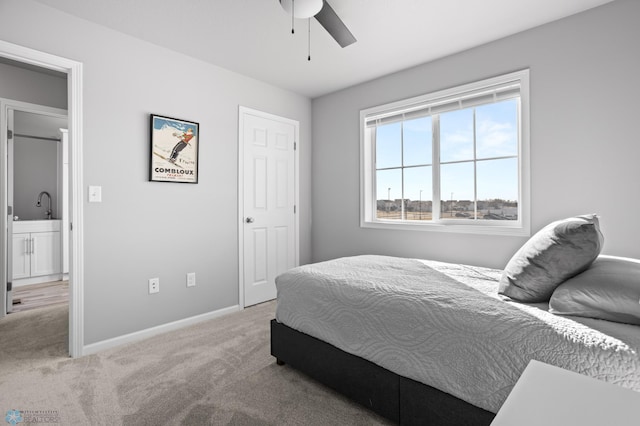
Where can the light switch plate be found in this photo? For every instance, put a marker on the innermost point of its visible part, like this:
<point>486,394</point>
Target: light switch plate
<point>95,194</point>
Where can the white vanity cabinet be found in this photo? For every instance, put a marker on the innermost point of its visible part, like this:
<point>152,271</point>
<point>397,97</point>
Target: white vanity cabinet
<point>36,248</point>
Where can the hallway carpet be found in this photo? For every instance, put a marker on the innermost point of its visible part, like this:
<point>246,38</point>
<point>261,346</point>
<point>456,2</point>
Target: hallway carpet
<point>219,372</point>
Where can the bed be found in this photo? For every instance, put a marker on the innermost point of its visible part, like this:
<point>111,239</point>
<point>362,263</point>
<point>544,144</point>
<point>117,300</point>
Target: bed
<point>427,342</point>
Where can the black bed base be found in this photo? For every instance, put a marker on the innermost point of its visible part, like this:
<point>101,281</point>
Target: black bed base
<point>397,398</point>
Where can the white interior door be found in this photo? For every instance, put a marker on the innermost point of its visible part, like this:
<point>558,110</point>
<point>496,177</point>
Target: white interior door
<point>268,229</point>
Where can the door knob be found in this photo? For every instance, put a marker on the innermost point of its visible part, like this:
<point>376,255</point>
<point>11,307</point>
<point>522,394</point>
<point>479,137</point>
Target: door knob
<point>249,220</point>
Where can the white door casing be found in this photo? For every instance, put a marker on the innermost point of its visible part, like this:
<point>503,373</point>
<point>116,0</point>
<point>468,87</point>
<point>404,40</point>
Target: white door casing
<point>268,197</point>
<point>6,188</point>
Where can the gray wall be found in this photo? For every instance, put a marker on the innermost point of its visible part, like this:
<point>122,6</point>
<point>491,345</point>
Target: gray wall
<point>35,161</point>
<point>35,170</point>
<point>29,85</point>
<point>146,229</point>
<point>35,164</point>
<point>584,138</point>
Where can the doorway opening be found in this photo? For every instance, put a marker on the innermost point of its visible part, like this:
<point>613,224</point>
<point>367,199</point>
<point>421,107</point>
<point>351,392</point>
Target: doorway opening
<point>37,195</point>
<point>47,63</point>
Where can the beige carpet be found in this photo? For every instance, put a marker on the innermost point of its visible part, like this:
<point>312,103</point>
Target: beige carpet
<point>219,372</point>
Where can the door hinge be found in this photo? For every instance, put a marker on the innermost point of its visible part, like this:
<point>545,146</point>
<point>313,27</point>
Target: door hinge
<point>294,209</point>
<point>295,146</point>
<point>9,134</point>
<point>9,211</point>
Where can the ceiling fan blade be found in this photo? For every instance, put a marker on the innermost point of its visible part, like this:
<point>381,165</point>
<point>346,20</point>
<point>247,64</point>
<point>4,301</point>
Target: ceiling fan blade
<point>328,18</point>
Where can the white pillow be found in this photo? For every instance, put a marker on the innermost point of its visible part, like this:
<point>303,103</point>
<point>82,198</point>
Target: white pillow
<point>557,252</point>
<point>609,289</point>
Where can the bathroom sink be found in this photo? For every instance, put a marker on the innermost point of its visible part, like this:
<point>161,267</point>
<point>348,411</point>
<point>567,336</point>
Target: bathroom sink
<point>36,225</point>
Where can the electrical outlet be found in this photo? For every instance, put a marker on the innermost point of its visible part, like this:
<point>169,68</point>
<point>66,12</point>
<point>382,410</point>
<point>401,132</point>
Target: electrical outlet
<point>154,285</point>
<point>191,279</point>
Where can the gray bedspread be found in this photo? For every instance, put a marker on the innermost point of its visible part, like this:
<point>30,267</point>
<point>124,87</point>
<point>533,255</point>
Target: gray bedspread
<point>445,325</point>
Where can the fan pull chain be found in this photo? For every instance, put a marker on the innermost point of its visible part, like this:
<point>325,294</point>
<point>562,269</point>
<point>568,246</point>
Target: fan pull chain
<point>293,7</point>
<point>309,42</point>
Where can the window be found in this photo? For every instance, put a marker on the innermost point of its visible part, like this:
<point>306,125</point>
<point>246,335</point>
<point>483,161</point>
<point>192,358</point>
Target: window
<point>455,160</point>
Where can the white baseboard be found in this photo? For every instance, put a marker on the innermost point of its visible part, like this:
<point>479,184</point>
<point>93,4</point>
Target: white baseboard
<point>37,280</point>
<point>153,331</point>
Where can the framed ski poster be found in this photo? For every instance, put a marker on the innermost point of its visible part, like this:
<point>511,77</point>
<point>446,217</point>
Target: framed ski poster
<point>174,150</point>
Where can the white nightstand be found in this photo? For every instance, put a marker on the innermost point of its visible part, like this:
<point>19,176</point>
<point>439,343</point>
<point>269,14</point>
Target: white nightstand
<point>551,396</point>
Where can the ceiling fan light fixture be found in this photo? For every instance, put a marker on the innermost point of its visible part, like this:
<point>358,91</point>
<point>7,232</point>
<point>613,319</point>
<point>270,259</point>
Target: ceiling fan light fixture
<point>302,9</point>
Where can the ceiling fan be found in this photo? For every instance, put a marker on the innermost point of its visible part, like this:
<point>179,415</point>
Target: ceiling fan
<point>324,14</point>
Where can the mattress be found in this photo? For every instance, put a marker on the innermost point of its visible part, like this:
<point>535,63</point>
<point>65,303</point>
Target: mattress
<point>444,325</point>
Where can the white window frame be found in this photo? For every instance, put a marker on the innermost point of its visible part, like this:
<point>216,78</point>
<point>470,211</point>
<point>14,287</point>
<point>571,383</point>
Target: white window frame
<point>368,202</point>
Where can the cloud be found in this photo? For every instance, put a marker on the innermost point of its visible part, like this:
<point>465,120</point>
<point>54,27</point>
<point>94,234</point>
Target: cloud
<point>496,139</point>
<point>457,145</point>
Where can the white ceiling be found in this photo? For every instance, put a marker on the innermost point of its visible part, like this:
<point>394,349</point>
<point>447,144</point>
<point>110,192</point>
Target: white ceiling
<point>253,37</point>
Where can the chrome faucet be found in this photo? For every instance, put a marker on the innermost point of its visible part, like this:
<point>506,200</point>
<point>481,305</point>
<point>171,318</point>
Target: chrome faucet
<point>39,203</point>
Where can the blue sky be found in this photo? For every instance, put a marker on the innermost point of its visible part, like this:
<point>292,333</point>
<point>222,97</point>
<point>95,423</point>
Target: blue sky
<point>496,136</point>
<point>159,122</point>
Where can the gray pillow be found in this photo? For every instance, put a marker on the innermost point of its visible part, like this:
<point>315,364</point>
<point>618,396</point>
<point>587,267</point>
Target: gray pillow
<point>609,289</point>
<point>557,252</point>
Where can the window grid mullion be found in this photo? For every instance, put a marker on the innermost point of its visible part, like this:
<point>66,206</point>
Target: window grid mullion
<point>374,175</point>
<point>520,156</point>
<point>402,212</point>
<point>435,172</point>
<point>475,169</point>
<point>415,166</point>
<point>504,157</point>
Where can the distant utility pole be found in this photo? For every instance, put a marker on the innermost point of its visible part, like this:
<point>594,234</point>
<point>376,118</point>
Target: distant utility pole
<point>388,199</point>
<point>451,205</point>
